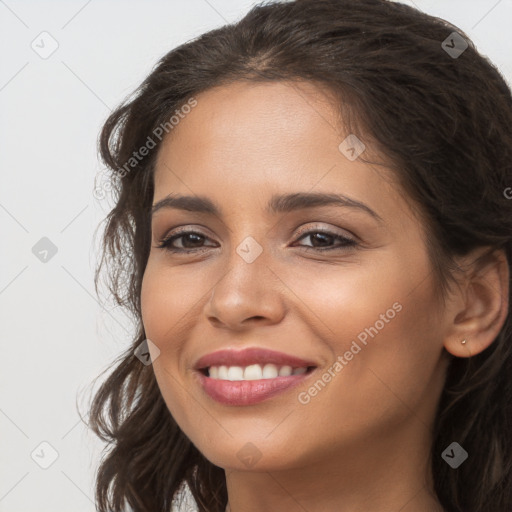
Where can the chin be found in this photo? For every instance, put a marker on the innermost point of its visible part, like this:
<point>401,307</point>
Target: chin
<point>242,454</point>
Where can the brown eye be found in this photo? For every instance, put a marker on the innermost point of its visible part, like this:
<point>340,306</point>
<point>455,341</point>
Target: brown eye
<point>322,240</point>
<point>190,241</point>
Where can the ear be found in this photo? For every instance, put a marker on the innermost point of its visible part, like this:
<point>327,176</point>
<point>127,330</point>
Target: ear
<point>478,308</point>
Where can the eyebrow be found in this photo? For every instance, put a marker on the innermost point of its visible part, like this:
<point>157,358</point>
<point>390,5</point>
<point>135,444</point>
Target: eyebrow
<point>277,204</point>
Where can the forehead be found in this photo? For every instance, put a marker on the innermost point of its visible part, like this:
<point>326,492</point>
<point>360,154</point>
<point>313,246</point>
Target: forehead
<point>253,113</point>
<point>252,139</point>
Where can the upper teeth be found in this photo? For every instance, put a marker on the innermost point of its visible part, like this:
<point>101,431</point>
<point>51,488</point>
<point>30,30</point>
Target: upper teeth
<point>253,372</point>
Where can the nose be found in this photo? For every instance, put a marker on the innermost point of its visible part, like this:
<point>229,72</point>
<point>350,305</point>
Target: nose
<point>248,294</point>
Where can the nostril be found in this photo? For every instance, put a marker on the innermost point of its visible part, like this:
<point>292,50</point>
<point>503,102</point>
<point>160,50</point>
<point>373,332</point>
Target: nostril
<point>257,317</point>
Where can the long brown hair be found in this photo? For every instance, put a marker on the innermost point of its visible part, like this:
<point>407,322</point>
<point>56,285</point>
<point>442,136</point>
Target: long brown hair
<point>443,119</point>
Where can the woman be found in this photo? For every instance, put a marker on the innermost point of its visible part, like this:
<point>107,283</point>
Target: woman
<point>313,231</point>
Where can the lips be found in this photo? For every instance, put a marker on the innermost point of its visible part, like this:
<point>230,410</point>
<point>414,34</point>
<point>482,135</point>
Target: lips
<point>227,386</point>
<point>250,356</point>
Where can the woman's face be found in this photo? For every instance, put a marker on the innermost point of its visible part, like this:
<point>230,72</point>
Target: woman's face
<point>362,313</point>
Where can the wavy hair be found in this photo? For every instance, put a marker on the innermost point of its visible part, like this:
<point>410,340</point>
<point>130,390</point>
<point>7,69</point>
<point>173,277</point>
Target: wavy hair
<point>445,124</point>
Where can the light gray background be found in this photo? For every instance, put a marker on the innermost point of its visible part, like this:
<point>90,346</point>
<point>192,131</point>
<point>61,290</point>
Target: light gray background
<point>55,335</point>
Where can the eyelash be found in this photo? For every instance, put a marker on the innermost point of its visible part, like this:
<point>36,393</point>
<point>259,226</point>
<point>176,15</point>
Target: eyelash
<point>166,242</point>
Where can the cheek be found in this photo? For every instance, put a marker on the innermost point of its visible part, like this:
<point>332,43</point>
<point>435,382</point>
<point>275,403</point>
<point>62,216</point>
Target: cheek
<point>168,297</point>
<point>380,319</point>
<point>390,351</point>
<point>338,302</point>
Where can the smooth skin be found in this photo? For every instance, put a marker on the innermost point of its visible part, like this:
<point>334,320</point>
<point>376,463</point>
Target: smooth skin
<point>362,443</point>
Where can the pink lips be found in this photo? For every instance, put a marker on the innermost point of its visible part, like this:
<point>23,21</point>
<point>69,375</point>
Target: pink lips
<point>251,391</point>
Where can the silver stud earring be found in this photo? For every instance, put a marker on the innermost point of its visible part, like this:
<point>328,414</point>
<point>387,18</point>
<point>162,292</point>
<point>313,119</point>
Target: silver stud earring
<point>463,342</point>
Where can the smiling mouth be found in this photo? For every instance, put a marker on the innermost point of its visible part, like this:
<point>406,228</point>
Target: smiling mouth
<point>252,384</point>
<point>253,372</point>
